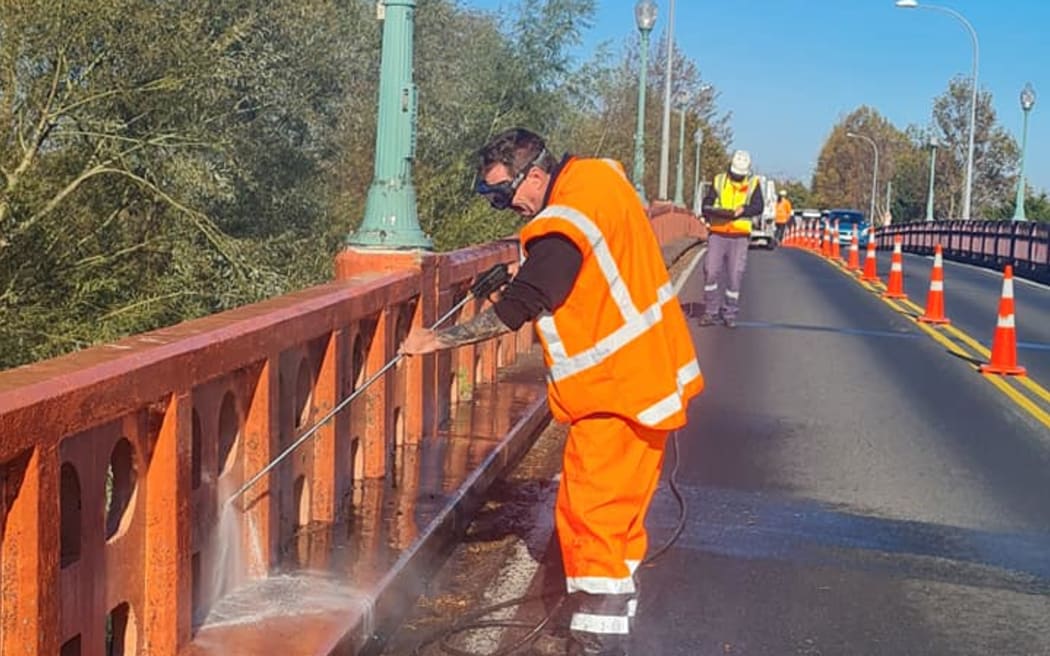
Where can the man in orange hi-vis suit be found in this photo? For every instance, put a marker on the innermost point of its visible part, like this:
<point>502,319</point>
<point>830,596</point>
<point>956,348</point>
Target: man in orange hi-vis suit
<point>621,363</point>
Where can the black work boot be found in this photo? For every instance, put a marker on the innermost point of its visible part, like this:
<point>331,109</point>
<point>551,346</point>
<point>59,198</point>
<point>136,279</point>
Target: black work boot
<point>730,322</point>
<point>708,320</point>
<point>585,647</point>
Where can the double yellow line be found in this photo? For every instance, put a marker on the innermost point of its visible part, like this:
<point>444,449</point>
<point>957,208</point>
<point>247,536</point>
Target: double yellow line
<point>1022,390</point>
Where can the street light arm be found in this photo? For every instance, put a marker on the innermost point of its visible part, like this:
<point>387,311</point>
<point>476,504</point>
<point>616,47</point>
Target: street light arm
<point>968,189</point>
<point>874,171</point>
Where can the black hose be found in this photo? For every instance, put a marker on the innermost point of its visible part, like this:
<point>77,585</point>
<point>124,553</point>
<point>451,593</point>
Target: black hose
<point>473,621</point>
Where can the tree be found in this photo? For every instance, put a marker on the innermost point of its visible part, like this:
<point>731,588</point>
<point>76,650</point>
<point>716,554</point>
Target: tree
<point>995,151</point>
<point>843,175</point>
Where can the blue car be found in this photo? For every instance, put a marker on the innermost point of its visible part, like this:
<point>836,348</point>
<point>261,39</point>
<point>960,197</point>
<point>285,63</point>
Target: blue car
<point>847,219</point>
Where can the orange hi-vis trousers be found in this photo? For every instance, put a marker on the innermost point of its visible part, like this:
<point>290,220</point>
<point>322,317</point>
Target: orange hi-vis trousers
<point>610,471</point>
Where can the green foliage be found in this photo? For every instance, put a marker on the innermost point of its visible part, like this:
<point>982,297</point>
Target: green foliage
<point>163,161</point>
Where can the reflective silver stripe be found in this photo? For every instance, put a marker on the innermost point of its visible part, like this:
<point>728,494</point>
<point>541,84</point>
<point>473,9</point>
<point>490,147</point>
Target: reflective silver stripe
<point>616,166</point>
<point>936,285</point>
<point>711,288</point>
<point>632,608</point>
<point>671,404</point>
<point>614,341</point>
<point>632,565</point>
<point>1008,288</point>
<point>606,262</point>
<point>733,295</point>
<point>603,624</point>
<point>1006,322</point>
<point>549,331</point>
<point>599,585</point>
<point>938,261</point>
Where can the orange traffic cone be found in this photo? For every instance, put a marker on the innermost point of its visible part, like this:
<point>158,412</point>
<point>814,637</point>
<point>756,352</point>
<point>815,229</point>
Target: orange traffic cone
<point>935,299</point>
<point>895,283</point>
<point>871,273</point>
<point>836,251</point>
<point>1004,343</point>
<point>854,251</point>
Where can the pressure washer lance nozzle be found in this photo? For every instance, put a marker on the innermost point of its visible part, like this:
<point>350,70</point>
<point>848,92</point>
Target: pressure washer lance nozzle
<point>484,285</point>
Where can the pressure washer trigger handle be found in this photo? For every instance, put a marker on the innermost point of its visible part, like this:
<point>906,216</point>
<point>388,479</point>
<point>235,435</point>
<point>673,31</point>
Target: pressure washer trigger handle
<point>492,280</point>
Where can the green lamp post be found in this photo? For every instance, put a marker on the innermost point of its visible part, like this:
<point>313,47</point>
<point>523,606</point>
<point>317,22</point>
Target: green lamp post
<point>645,18</point>
<point>1027,102</point>
<point>934,145</point>
<point>679,183</point>
<point>390,219</point>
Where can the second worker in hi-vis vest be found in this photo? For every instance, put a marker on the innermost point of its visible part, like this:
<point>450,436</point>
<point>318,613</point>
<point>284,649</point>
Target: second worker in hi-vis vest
<point>621,363</point>
<point>732,201</point>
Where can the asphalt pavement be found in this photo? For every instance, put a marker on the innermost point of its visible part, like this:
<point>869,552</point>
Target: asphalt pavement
<point>852,488</point>
<point>852,485</point>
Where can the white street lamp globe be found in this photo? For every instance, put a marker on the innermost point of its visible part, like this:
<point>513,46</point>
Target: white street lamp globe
<point>907,4</point>
<point>934,142</point>
<point>645,14</point>
<point>1027,97</point>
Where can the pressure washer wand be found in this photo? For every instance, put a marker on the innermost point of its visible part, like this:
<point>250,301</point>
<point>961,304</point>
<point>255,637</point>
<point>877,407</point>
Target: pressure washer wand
<point>487,283</point>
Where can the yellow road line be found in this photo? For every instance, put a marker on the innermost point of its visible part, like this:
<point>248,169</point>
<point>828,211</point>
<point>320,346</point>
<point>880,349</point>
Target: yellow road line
<point>945,342</point>
<point>1018,398</point>
<point>1003,386</point>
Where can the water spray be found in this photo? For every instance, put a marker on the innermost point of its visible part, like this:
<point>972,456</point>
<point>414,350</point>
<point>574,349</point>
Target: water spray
<point>484,285</point>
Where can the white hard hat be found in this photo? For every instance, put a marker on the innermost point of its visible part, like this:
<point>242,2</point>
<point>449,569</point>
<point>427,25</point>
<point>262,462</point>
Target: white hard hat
<point>741,163</point>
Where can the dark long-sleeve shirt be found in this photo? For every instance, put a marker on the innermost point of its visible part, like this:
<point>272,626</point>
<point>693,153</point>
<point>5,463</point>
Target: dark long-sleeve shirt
<point>543,282</point>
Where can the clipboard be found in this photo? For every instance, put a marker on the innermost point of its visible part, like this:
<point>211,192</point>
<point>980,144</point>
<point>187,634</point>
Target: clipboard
<point>718,214</point>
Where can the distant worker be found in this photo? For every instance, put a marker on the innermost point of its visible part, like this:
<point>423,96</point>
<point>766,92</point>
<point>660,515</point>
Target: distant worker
<point>734,199</point>
<point>621,362</point>
<point>783,215</point>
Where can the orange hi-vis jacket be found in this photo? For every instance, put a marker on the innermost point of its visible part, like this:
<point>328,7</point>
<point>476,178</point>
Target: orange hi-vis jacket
<point>783,213</point>
<point>619,344</point>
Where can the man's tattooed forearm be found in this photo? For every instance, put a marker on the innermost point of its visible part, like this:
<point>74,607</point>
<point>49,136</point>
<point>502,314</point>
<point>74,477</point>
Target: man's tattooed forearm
<point>484,326</point>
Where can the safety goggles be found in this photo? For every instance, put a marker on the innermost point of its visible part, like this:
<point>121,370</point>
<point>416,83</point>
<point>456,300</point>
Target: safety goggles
<point>501,194</point>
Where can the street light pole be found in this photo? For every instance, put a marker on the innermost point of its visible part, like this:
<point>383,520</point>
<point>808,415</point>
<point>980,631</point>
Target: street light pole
<point>679,183</point>
<point>1027,102</point>
<point>665,142</point>
<point>698,137</point>
<point>968,189</point>
<point>645,18</point>
<point>934,144</point>
<point>390,219</point>
<point>874,172</point>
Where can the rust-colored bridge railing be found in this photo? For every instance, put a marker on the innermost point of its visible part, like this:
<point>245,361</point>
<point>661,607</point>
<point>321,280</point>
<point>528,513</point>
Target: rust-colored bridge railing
<point>114,460</point>
<point>993,244</point>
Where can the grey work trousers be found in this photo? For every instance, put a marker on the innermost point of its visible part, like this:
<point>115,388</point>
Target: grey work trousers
<point>723,272</point>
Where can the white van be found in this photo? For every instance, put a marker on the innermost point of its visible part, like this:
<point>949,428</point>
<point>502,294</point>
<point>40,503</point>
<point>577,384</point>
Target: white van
<point>764,228</point>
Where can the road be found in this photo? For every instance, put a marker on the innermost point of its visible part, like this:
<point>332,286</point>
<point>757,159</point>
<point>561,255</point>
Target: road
<point>852,487</point>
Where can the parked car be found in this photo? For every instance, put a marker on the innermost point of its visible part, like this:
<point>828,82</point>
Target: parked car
<point>846,220</point>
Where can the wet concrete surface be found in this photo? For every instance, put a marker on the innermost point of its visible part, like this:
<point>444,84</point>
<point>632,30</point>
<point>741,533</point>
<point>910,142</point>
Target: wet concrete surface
<point>331,575</point>
<point>850,489</point>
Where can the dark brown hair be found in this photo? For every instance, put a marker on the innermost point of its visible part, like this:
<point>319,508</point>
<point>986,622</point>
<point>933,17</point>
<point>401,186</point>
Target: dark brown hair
<point>514,148</point>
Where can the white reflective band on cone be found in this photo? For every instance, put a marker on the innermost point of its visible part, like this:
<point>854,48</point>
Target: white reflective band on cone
<point>1008,288</point>
<point>1007,321</point>
<point>936,285</point>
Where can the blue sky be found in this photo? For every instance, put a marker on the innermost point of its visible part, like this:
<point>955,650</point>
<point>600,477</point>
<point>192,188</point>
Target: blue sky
<point>790,69</point>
